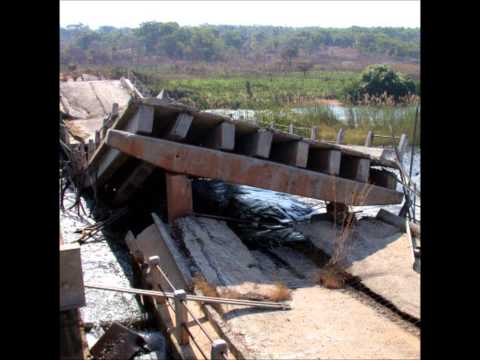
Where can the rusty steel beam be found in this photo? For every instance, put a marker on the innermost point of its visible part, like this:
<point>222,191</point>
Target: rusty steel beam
<point>240,169</point>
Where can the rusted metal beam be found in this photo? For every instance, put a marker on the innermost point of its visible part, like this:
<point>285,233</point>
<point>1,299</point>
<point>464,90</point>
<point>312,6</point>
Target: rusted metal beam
<point>179,196</point>
<point>240,169</point>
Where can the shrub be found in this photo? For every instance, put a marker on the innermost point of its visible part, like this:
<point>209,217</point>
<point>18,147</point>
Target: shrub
<point>380,80</point>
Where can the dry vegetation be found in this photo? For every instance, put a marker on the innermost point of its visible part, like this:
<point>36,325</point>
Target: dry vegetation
<point>279,293</point>
<point>333,275</point>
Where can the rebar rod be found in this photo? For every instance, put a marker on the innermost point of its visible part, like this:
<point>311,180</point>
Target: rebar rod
<point>206,299</point>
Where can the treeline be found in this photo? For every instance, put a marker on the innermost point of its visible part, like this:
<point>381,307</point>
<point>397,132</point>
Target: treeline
<point>109,45</point>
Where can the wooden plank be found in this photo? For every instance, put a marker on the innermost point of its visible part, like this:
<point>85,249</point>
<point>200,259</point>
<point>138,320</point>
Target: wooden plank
<point>324,160</point>
<point>72,293</point>
<point>222,137</point>
<point>257,144</point>
<point>239,169</point>
<point>402,144</point>
<point>340,136</point>
<point>369,139</point>
<point>355,168</point>
<point>133,182</point>
<point>179,196</point>
<point>383,178</point>
<point>71,336</point>
<point>179,129</point>
<point>293,153</point>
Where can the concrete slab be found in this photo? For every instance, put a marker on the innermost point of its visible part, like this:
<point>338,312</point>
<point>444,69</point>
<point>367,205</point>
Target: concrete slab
<point>87,99</point>
<point>223,259</point>
<point>376,252</point>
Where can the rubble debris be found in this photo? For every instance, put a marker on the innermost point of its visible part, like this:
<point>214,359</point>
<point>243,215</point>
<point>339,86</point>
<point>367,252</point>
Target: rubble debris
<point>118,343</point>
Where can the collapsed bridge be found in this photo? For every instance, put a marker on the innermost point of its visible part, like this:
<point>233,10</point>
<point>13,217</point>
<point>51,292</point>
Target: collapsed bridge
<point>182,142</point>
<point>128,147</point>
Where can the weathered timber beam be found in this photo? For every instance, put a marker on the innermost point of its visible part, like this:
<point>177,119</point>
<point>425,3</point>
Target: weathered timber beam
<point>355,168</point>
<point>325,160</point>
<point>240,169</point>
<point>222,137</point>
<point>293,153</point>
<point>131,184</point>
<point>179,129</point>
<point>256,144</point>
<point>72,295</point>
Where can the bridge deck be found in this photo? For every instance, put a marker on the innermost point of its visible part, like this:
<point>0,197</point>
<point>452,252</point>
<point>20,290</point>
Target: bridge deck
<point>178,139</point>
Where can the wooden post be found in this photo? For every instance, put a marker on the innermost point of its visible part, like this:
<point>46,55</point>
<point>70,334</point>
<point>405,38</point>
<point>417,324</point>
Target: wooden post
<point>91,148</point>
<point>97,138</point>
<point>314,133</point>
<point>219,350</point>
<point>181,317</point>
<point>103,131</point>
<point>369,139</point>
<point>402,145</point>
<point>340,136</point>
<point>290,128</point>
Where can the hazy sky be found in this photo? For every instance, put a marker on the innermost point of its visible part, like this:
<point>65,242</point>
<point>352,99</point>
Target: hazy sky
<point>280,13</point>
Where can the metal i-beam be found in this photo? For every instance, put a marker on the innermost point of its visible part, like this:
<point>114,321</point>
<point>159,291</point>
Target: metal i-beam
<point>244,170</point>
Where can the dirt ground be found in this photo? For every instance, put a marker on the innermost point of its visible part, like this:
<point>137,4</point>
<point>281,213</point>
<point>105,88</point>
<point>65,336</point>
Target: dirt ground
<point>323,324</point>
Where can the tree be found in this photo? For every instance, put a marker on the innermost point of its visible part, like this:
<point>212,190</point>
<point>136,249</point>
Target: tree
<point>289,53</point>
<point>377,80</point>
<point>304,67</point>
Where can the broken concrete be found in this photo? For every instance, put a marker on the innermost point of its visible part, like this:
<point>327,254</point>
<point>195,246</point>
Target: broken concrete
<point>88,99</point>
<point>223,259</point>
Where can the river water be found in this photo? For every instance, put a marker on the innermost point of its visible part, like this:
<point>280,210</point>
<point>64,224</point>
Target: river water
<point>342,113</point>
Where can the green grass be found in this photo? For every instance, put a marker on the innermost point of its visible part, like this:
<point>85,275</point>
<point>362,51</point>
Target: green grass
<point>266,91</point>
<point>277,94</point>
<point>375,118</point>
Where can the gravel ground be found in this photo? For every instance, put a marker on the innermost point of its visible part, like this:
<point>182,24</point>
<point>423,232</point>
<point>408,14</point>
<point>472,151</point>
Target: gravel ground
<point>105,262</point>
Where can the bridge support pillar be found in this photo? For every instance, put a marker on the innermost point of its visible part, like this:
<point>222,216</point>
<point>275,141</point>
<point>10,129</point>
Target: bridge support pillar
<point>179,196</point>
